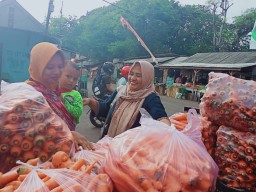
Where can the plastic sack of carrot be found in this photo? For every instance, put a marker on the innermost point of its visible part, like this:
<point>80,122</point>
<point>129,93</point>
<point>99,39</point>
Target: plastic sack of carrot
<point>235,155</point>
<point>28,127</point>
<point>59,174</point>
<point>89,157</point>
<point>230,101</point>
<point>156,157</point>
<point>209,136</point>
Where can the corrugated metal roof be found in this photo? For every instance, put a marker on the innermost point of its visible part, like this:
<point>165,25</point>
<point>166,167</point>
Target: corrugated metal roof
<point>222,57</point>
<point>173,61</point>
<point>226,66</point>
<point>150,60</point>
<point>214,61</point>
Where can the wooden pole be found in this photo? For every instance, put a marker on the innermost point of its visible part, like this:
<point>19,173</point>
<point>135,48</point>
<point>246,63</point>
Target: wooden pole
<point>194,81</point>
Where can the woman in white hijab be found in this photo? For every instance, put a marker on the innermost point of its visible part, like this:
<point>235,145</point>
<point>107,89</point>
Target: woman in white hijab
<point>138,93</point>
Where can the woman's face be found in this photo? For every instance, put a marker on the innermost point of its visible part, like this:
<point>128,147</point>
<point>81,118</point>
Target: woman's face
<point>135,78</point>
<point>52,71</point>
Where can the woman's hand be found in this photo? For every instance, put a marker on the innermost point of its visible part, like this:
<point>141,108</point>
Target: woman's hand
<point>87,101</point>
<point>80,140</point>
<point>92,103</point>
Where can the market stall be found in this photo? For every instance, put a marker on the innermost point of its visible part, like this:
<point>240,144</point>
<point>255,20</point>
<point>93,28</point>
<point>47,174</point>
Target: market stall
<point>195,69</point>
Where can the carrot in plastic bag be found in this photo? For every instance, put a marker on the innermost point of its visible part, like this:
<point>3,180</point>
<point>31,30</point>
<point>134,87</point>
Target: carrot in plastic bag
<point>29,117</point>
<point>182,156</point>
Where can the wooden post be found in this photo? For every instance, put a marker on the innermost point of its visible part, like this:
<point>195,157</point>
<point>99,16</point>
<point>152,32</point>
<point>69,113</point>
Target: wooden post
<point>194,81</point>
<point>165,76</point>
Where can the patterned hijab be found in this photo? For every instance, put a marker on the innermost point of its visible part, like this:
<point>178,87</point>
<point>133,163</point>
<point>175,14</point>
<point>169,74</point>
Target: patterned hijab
<point>130,102</point>
<point>40,56</point>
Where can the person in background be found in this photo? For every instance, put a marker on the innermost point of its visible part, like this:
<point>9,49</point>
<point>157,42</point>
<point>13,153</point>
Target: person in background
<point>101,85</point>
<point>70,97</point>
<point>184,79</point>
<point>124,72</point>
<point>178,80</point>
<point>122,107</point>
<point>46,66</point>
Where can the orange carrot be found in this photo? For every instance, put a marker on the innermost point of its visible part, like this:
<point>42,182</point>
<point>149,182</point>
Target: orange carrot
<point>30,133</point>
<point>50,133</point>
<point>180,116</point>
<point>22,177</point>
<point>179,127</point>
<point>177,122</point>
<point>4,148</point>
<point>71,188</point>
<point>39,141</point>
<point>14,184</point>
<point>26,145</point>
<point>36,151</point>
<point>40,128</point>
<point>51,184</point>
<point>8,177</point>
<point>25,124</point>
<point>49,146</point>
<point>61,160</point>
<point>38,116</point>
<point>28,155</point>
<point>65,147</point>
<point>78,164</point>
<point>16,139</point>
<point>15,151</point>
<point>90,167</point>
<point>33,162</point>
<point>13,118</point>
<point>43,156</point>
<point>18,108</point>
<point>9,130</point>
<point>9,161</point>
<point>9,188</point>
<point>26,114</point>
<point>76,187</point>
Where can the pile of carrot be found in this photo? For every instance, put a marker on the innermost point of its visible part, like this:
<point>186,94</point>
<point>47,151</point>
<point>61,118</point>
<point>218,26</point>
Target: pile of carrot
<point>30,129</point>
<point>231,102</point>
<point>235,155</point>
<point>207,128</point>
<point>59,174</point>
<point>209,136</point>
<point>159,159</point>
<point>179,120</point>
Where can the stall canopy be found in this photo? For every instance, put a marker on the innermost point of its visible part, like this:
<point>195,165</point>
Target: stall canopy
<point>234,61</point>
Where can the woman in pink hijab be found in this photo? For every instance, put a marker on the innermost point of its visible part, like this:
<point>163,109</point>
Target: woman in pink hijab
<point>122,107</point>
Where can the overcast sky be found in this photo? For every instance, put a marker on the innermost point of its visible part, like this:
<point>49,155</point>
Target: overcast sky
<point>39,8</point>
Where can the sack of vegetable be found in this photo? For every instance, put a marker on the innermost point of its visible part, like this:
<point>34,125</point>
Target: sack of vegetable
<point>156,157</point>
<point>230,101</point>
<point>28,127</point>
<point>235,155</point>
<point>59,174</point>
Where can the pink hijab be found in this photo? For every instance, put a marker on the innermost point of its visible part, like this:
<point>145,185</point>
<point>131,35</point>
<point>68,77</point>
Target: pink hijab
<point>130,102</point>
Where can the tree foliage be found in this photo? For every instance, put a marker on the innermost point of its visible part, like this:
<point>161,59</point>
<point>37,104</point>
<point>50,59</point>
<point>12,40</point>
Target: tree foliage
<point>164,25</point>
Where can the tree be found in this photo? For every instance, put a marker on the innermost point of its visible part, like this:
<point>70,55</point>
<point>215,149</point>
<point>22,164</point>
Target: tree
<point>235,35</point>
<point>224,5</point>
<point>164,25</point>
